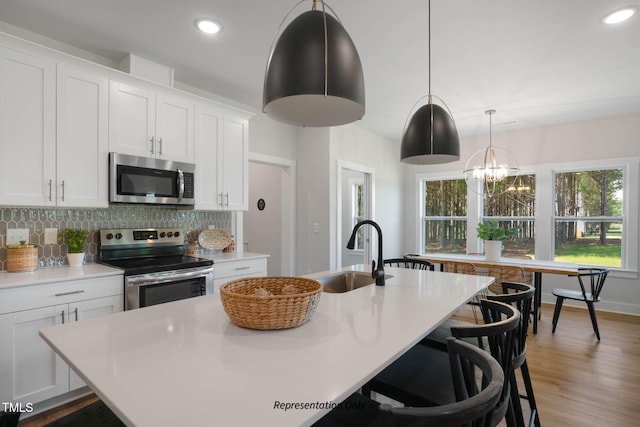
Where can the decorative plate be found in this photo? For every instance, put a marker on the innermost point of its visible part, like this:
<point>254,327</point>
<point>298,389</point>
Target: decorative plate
<point>214,239</point>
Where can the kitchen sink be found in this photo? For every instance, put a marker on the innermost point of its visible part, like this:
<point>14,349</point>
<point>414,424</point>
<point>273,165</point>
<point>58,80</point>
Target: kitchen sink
<point>346,281</point>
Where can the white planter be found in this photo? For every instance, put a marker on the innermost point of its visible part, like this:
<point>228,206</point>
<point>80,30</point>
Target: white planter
<point>76,260</point>
<point>493,250</point>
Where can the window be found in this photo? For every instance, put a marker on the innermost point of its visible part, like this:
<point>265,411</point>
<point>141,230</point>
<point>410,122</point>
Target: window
<point>585,212</point>
<point>514,206</point>
<point>445,216</point>
<point>357,211</point>
<point>588,217</point>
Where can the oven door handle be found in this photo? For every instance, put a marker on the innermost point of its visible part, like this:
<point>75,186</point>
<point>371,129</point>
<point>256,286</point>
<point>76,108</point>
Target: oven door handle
<point>180,185</point>
<point>167,276</point>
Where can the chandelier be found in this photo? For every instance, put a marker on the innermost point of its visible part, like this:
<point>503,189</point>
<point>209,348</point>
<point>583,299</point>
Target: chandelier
<point>490,166</point>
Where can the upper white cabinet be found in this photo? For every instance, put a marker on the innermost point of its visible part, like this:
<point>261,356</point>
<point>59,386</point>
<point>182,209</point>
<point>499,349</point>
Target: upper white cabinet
<point>221,160</point>
<point>82,138</point>
<point>233,175</point>
<point>53,149</point>
<point>27,129</point>
<point>150,123</point>
<point>208,134</point>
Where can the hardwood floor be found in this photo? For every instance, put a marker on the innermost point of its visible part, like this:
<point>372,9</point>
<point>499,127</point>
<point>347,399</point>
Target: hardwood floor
<point>578,381</point>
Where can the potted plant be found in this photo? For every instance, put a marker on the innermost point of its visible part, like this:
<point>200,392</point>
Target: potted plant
<point>493,236</point>
<point>75,245</point>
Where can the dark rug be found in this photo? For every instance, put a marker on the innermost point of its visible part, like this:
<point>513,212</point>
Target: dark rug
<point>96,414</point>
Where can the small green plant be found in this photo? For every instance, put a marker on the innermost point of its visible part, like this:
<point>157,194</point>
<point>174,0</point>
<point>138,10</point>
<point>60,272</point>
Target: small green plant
<point>491,230</point>
<point>75,239</point>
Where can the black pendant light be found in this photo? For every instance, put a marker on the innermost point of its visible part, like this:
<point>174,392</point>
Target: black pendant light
<point>314,74</point>
<point>430,136</point>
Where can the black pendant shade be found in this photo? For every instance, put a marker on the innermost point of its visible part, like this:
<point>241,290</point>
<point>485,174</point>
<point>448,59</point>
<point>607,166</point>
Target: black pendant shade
<point>430,137</point>
<point>308,85</point>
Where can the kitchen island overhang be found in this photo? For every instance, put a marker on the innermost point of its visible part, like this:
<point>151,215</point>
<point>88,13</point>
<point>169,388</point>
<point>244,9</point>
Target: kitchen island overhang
<point>185,362</point>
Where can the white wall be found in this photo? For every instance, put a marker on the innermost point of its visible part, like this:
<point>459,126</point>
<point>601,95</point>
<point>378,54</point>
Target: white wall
<point>263,228</point>
<point>352,143</point>
<point>609,138</point>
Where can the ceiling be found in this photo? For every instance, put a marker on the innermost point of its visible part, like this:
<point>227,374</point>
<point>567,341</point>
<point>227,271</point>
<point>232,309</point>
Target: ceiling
<point>537,62</point>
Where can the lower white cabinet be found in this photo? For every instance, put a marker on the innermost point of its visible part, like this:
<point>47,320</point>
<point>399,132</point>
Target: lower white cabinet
<point>30,371</point>
<point>226,271</point>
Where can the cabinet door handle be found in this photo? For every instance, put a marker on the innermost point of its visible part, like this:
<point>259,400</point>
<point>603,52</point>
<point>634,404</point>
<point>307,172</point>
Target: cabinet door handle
<point>76,310</point>
<point>50,183</point>
<point>63,190</point>
<point>227,196</point>
<point>63,317</point>
<point>220,202</point>
<point>160,146</point>
<point>69,293</point>
<point>152,144</point>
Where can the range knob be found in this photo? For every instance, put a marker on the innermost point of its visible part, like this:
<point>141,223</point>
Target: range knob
<point>162,234</point>
<point>169,234</point>
<point>109,236</point>
<point>118,236</point>
<point>176,234</point>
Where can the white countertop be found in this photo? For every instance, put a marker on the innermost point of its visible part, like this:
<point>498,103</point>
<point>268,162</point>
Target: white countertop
<point>185,363</point>
<point>55,274</point>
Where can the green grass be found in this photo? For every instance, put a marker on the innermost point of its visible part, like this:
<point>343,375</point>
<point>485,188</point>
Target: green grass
<point>587,250</point>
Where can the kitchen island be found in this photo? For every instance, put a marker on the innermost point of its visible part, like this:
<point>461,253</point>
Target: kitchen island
<point>185,363</point>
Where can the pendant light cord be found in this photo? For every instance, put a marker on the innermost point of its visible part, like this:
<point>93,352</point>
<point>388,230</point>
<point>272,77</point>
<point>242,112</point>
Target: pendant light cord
<point>429,46</point>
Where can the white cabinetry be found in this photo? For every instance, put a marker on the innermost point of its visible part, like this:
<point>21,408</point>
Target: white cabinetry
<point>222,146</point>
<point>29,368</point>
<point>150,123</point>
<point>52,148</point>
<point>82,138</point>
<point>27,129</point>
<point>226,271</point>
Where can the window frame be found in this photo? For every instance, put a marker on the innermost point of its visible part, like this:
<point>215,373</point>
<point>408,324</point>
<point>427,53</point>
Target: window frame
<point>420,184</point>
<point>628,217</point>
<point>545,207</point>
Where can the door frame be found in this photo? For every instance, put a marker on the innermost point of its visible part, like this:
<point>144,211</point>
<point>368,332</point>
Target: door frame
<point>288,220</point>
<point>369,180</point>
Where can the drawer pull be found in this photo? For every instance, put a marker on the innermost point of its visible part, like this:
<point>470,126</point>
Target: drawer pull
<point>243,268</point>
<point>63,317</point>
<point>69,293</point>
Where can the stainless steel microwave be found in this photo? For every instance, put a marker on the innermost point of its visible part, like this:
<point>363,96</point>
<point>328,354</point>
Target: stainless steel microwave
<point>135,180</point>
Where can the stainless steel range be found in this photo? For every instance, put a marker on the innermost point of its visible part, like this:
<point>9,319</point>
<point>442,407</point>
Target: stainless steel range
<point>155,267</point>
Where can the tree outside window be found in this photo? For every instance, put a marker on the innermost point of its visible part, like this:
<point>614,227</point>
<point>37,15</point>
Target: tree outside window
<point>445,216</point>
<point>588,217</point>
<point>514,206</point>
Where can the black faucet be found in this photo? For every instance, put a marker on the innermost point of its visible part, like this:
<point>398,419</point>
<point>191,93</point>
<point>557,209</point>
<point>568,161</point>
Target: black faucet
<point>376,273</point>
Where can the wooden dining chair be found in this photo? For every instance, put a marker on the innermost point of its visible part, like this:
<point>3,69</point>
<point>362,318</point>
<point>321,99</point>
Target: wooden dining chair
<point>589,293</point>
<point>507,273</point>
<point>520,295</point>
<point>463,267</point>
<point>421,376</point>
<point>476,378</point>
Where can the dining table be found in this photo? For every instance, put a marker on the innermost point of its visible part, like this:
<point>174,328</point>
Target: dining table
<point>537,267</point>
<point>186,363</point>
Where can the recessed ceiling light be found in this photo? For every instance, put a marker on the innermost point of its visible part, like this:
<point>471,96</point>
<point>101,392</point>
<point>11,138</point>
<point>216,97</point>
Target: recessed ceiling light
<point>619,15</point>
<point>208,26</point>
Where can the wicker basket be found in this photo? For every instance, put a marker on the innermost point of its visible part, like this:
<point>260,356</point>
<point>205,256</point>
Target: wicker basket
<point>22,258</point>
<point>247,307</point>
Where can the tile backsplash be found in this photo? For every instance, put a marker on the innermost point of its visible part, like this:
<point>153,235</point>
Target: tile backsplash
<point>37,219</point>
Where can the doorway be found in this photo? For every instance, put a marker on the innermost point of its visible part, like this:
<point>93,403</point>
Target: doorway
<point>268,224</point>
<point>355,201</point>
